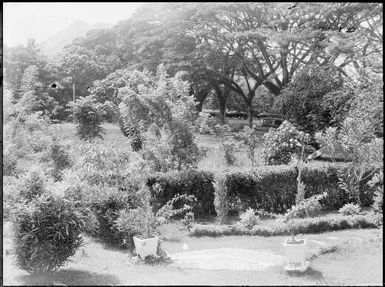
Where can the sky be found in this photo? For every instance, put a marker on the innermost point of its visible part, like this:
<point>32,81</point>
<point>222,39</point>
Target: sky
<point>40,20</point>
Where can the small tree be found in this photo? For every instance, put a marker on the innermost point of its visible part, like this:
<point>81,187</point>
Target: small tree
<point>88,119</point>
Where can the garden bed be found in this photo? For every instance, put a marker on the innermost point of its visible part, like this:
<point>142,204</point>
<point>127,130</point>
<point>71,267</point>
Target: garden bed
<point>275,227</point>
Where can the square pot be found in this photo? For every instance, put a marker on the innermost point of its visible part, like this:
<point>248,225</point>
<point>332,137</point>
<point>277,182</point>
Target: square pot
<point>295,255</point>
<point>146,247</point>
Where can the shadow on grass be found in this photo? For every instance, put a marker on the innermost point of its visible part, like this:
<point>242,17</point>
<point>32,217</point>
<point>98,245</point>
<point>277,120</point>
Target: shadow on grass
<point>310,273</point>
<point>69,277</point>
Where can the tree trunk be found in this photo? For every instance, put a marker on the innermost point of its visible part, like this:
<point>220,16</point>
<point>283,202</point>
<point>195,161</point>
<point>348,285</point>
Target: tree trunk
<point>199,106</point>
<point>250,112</point>
<point>222,110</point>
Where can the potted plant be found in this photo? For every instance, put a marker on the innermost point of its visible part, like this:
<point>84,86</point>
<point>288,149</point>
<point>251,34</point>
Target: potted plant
<point>294,248</point>
<point>141,224</point>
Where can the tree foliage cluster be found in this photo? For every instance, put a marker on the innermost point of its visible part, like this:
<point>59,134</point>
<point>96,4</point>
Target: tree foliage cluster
<point>234,52</point>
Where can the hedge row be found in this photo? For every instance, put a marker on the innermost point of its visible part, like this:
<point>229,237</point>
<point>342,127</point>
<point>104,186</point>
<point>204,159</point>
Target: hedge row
<point>164,186</point>
<point>272,188</point>
<point>301,226</point>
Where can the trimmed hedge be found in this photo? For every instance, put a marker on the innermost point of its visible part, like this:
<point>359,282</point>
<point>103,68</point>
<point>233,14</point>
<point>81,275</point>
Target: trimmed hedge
<point>271,188</point>
<point>164,186</point>
<point>306,225</point>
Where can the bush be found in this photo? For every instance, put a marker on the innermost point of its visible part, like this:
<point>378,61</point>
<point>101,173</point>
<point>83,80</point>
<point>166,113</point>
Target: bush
<point>106,164</point>
<point>350,209</point>
<point>227,143</point>
<point>106,203</point>
<point>47,232</point>
<point>274,188</point>
<point>32,184</point>
<point>164,186</point>
<point>281,144</point>
<point>248,218</point>
<point>88,118</point>
<point>11,196</point>
<point>221,202</point>
<point>9,162</point>
<point>309,207</point>
<point>378,183</point>
<point>279,228</point>
<point>58,156</point>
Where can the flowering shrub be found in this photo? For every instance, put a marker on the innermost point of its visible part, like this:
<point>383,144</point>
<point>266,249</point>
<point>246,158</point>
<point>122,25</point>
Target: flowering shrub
<point>248,218</point>
<point>281,144</point>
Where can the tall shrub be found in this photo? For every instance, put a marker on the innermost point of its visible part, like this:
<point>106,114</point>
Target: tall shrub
<point>48,232</point>
<point>87,118</point>
<point>281,144</point>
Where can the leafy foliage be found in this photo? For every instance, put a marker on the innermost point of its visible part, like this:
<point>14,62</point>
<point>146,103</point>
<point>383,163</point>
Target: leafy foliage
<point>281,144</point>
<point>228,143</point>
<point>58,156</point>
<point>357,142</point>
<point>250,141</point>
<point>164,186</point>
<point>32,184</point>
<point>107,164</point>
<point>87,118</point>
<point>48,232</point>
<point>303,100</point>
<point>378,182</point>
<point>350,209</point>
<point>248,218</point>
<point>300,226</point>
<point>9,162</point>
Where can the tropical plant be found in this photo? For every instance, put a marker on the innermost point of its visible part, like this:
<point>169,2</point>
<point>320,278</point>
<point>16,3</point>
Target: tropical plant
<point>248,218</point>
<point>88,118</point>
<point>48,232</point>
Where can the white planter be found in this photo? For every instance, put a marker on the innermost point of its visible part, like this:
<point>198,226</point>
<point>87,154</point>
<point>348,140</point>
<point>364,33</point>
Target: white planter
<point>146,247</point>
<point>295,255</point>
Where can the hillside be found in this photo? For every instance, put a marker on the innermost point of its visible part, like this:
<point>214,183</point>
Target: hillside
<point>56,43</point>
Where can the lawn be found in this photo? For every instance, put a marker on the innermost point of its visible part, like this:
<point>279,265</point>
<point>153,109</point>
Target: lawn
<point>354,259</point>
<point>213,161</point>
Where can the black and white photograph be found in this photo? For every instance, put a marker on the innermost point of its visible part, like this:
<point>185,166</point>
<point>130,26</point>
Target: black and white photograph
<point>192,143</point>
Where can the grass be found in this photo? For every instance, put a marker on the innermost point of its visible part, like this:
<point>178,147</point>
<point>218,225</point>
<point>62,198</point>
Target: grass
<point>354,259</point>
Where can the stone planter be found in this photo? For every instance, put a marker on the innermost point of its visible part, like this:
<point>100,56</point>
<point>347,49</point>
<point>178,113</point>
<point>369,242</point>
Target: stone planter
<point>295,255</point>
<point>146,247</point>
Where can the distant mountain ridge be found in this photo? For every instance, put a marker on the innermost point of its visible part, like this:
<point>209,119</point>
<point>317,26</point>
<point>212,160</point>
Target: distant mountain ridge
<point>56,43</point>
